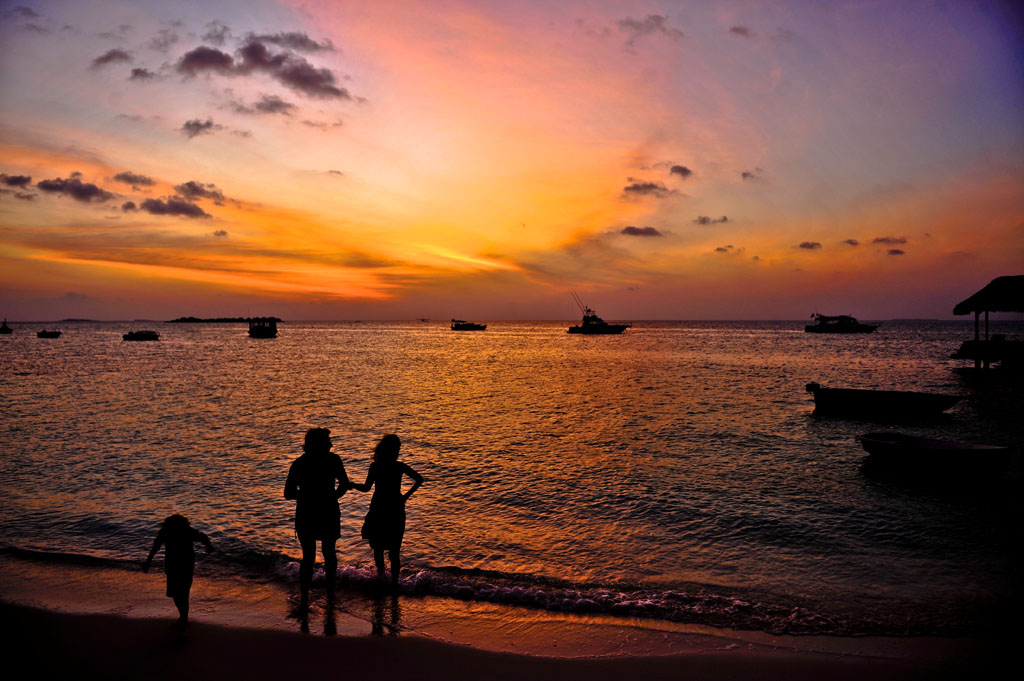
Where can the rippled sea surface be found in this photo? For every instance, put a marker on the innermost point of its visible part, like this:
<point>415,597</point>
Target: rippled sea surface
<point>672,472</point>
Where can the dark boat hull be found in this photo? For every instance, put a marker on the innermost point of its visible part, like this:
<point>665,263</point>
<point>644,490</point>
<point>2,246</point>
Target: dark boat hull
<point>48,334</point>
<point>860,328</point>
<point>878,404</point>
<point>925,456</point>
<point>141,336</point>
<point>467,326</point>
<point>595,330</point>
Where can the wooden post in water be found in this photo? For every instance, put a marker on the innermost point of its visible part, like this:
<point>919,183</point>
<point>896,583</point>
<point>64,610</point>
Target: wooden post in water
<point>977,337</point>
<point>987,349</point>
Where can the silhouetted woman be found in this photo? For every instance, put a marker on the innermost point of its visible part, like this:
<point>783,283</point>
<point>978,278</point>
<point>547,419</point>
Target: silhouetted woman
<point>316,480</point>
<point>177,537</point>
<point>384,526</point>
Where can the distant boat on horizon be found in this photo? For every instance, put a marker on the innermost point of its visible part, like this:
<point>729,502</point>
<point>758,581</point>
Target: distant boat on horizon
<point>463,325</point>
<point>4,328</point>
<point>48,334</point>
<point>141,336</point>
<point>843,323</point>
<point>592,324</point>
<point>263,327</point>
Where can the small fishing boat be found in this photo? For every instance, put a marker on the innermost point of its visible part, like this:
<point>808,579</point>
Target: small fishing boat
<point>4,328</point>
<point>463,325</point>
<point>263,327</point>
<point>48,334</point>
<point>839,324</point>
<point>141,336</point>
<point>592,324</point>
<point>927,455</point>
<point>878,404</point>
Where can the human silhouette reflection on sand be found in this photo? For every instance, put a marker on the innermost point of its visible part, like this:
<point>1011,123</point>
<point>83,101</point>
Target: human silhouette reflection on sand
<point>384,525</point>
<point>387,615</point>
<point>316,480</point>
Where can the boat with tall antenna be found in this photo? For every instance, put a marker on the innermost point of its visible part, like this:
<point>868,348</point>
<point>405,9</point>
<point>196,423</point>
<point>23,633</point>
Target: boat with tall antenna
<point>4,328</point>
<point>592,324</point>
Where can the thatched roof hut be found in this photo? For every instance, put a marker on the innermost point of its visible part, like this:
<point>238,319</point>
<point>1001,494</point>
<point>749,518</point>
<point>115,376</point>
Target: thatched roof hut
<point>1003,294</point>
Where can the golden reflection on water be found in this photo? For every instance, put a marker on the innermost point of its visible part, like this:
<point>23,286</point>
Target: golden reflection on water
<point>675,454</point>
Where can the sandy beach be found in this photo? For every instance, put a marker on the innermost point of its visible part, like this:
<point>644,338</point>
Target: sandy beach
<point>89,622</point>
<point>111,647</point>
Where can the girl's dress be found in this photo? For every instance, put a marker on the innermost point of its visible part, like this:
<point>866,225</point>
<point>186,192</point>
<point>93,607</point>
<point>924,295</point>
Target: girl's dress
<point>384,525</point>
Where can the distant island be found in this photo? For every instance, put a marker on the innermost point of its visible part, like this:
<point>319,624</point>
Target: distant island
<point>217,320</point>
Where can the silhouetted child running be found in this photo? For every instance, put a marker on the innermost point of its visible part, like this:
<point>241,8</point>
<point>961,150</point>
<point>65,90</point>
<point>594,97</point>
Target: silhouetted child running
<point>177,537</point>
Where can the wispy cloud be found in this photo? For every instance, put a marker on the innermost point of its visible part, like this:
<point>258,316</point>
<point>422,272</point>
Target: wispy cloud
<point>196,127</point>
<point>638,188</point>
<point>111,57</point>
<point>652,24</point>
<point>640,231</point>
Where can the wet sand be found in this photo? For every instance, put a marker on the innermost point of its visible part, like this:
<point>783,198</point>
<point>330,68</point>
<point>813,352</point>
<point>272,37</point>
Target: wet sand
<point>112,647</point>
<point>89,622</point>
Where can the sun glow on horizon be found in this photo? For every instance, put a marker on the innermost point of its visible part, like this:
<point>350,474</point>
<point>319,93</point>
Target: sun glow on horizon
<point>713,161</point>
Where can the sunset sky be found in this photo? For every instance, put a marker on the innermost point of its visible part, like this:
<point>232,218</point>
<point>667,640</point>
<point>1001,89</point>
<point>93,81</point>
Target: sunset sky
<point>385,160</point>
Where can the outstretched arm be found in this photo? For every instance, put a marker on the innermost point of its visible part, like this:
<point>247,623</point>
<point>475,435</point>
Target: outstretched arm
<point>417,481</point>
<point>343,482</point>
<point>365,487</point>
<point>201,537</point>
<point>152,552</point>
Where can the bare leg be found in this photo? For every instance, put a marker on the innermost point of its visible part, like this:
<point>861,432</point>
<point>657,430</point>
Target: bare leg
<point>395,553</point>
<point>330,565</point>
<point>306,567</point>
<point>378,558</point>
<point>181,602</point>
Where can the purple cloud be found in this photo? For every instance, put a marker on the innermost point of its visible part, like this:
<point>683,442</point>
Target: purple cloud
<point>86,192</point>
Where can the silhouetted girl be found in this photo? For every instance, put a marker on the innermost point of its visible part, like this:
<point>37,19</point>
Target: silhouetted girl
<point>384,526</point>
<point>316,480</point>
<point>177,537</point>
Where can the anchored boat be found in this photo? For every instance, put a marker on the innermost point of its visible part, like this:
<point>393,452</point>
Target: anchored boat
<point>463,325</point>
<point>878,404</point>
<point>141,336</point>
<point>263,327</point>
<point>592,324</point>
<point>843,323</point>
<point>925,456</point>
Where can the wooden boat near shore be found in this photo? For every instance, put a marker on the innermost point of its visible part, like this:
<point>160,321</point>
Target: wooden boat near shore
<point>878,404</point>
<point>927,455</point>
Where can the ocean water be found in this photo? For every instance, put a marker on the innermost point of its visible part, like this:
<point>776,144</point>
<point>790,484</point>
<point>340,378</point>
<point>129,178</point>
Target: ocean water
<point>674,472</point>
